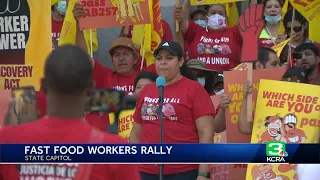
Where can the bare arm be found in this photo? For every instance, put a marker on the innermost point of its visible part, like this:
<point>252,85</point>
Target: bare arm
<point>182,15</point>
<point>244,126</point>
<point>220,121</point>
<point>179,35</point>
<point>205,127</point>
<point>78,12</point>
<point>135,133</point>
<point>179,38</point>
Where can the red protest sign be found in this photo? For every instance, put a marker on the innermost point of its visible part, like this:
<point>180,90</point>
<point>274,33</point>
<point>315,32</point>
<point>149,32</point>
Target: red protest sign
<point>105,13</point>
<point>251,24</point>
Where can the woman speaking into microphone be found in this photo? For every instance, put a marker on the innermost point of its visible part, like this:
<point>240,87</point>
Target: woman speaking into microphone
<point>188,115</point>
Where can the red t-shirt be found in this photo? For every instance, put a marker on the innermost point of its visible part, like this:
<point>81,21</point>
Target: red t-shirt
<point>54,130</point>
<point>106,78</point>
<point>220,50</point>
<point>94,119</point>
<point>185,101</point>
<point>167,35</point>
<point>264,42</point>
<point>56,29</point>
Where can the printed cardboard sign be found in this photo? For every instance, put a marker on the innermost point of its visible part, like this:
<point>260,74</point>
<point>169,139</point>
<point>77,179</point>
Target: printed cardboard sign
<point>251,24</point>
<point>25,42</point>
<point>233,84</point>
<point>104,13</point>
<point>286,114</point>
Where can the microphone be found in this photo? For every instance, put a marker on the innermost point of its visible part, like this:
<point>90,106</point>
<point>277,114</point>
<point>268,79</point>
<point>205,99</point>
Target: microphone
<point>161,83</point>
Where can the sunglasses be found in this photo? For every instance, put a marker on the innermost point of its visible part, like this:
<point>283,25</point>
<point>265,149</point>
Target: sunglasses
<point>295,29</point>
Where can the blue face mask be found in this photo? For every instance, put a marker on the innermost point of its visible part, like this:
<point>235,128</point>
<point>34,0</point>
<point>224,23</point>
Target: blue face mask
<point>62,7</point>
<point>202,23</point>
<point>273,19</point>
<point>202,81</point>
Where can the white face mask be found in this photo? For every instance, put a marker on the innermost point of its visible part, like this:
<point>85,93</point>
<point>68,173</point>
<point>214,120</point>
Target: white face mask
<point>220,92</point>
<point>217,21</point>
<point>202,81</point>
<point>62,7</point>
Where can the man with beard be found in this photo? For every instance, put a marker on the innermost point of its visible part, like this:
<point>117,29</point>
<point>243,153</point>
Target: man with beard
<point>306,55</point>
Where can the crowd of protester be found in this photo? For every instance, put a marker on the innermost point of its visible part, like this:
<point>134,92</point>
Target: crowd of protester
<point>193,68</point>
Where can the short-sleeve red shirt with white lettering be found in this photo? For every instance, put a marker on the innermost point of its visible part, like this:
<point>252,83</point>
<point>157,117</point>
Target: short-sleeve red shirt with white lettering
<point>184,102</point>
<point>220,50</point>
<point>56,29</point>
<point>265,42</point>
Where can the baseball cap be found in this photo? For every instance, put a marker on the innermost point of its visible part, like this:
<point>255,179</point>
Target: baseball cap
<point>298,72</point>
<point>121,42</point>
<point>218,78</point>
<point>171,46</point>
<point>307,46</point>
<point>197,64</point>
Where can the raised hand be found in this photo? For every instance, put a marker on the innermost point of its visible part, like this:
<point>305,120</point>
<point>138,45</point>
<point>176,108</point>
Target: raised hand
<point>78,11</point>
<point>247,88</point>
<point>251,24</point>
<point>224,102</point>
<point>178,13</point>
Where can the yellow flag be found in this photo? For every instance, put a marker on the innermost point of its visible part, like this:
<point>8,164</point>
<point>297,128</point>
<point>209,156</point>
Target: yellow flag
<point>53,2</point>
<point>23,55</point>
<point>284,11</point>
<point>310,10</point>
<point>279,47</point>
<point>149,36</point>
<point>125,122</point>
<point>285,114</point>
<point>68,31</point>
<point>232,14</point>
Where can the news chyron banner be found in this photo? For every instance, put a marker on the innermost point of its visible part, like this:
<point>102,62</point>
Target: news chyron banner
<point>25,42</point>
<point>154,153</point>
<point>286,113</point>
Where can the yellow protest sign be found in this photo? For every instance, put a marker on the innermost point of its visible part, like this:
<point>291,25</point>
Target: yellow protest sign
<point>310,9</point>
<point>207,2</point>
<point>125,122</point>
<point>25,42</point>
<point>285,112</point>
<point>279,47</point>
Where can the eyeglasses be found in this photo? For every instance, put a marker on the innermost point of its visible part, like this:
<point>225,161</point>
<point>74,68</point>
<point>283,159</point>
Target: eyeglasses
<point>295,29</point>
